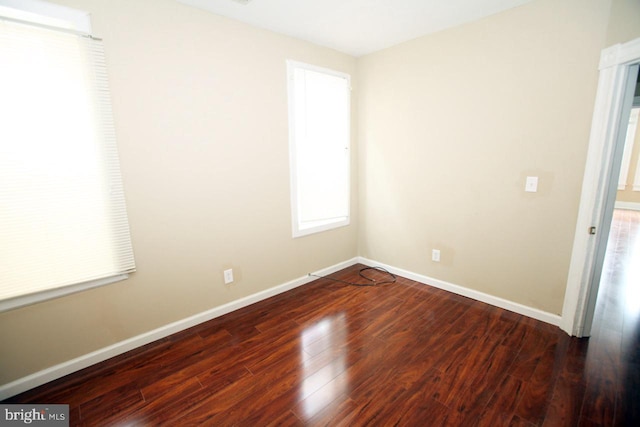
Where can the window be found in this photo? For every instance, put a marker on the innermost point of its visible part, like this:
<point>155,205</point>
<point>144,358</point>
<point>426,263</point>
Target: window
<point>319,134</point>
<point>63,221</point>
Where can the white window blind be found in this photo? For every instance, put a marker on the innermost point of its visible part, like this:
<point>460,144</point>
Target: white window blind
<point>319,115</point>
<point>63,219</point>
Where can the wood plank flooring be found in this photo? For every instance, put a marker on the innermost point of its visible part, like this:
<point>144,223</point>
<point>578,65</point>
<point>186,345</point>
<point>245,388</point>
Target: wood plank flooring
<point>397,354</point>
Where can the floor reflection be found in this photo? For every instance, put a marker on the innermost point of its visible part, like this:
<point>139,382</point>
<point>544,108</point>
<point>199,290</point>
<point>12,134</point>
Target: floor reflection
<point>619,294</point>
<point>632,276</point>
<point>617,319</point>
<point>323,352</point>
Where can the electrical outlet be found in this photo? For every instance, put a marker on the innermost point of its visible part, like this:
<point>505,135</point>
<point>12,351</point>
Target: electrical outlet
<point>531,185</point>
<point>435,255</point>
<point>228,276</point>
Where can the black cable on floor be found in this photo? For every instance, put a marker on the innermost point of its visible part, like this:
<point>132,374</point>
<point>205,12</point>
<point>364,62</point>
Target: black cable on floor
<point>372,282</point>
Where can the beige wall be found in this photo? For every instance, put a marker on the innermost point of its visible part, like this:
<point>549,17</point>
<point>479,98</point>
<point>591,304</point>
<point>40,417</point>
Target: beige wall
<point>448,127</point>
<point>624,24</point>
<point>452,124</point>
<point>628,195</point>
<point>200,104</point>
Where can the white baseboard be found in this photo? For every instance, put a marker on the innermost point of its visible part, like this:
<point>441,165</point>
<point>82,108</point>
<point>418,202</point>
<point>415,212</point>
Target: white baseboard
<point>515,307</point>
<point>58,371</point>
<point>628,205</point>
<point>42,377</point>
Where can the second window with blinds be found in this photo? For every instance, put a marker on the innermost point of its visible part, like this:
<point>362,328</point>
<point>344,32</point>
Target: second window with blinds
<point>319,136</point>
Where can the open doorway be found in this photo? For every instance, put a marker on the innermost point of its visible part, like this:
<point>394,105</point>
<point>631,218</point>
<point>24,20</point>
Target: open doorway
<point>618,302</point>
<point>616,88</point>
<point>628,194</point>
<point>610,239</point>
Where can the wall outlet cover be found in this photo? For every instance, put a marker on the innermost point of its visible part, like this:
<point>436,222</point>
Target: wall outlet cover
<point>228,276</point>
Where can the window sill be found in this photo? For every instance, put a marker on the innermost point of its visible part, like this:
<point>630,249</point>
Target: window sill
<point>25,300</point>
<point>320,226</point>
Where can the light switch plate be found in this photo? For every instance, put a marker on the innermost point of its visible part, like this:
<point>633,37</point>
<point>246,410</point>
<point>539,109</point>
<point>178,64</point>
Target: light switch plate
<point>532,184</point>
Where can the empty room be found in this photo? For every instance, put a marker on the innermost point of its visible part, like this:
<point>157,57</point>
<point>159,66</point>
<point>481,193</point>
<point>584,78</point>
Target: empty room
<point>318,212</point>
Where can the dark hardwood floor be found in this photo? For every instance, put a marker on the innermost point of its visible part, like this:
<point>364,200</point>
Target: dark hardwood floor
<point>397,354</point>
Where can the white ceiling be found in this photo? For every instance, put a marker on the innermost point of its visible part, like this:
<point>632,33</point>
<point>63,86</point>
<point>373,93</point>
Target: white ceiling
<point>356,27</point>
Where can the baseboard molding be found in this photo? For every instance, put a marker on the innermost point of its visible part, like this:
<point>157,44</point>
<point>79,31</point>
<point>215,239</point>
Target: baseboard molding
<point>58,371</point>
<point>515,307</point>
<point>628,205</point>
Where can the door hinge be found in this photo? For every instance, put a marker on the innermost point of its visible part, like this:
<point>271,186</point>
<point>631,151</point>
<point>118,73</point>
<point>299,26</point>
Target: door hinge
<point>592,230</point>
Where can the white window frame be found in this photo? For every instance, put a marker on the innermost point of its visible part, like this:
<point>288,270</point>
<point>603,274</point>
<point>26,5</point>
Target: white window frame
<point>298,229</point>
<point>46,13</point>
<point>51,15</point>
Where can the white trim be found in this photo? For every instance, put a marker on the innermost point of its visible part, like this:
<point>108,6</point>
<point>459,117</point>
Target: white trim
<point>628,148</point>
<point>636,178</point>
<point>515,307</point>
<point>324,226</point>
<point>24,300</point>
<point>614,64</point>
<point>291,64</point>
<point>619,54</point>
<point>628,205</point>
<point>78,19</point>
<point>42,377</point>
<point>46,375</point>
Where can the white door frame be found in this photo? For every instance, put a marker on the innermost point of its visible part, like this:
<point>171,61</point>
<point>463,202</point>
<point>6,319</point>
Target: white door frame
<point>596,199</point>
